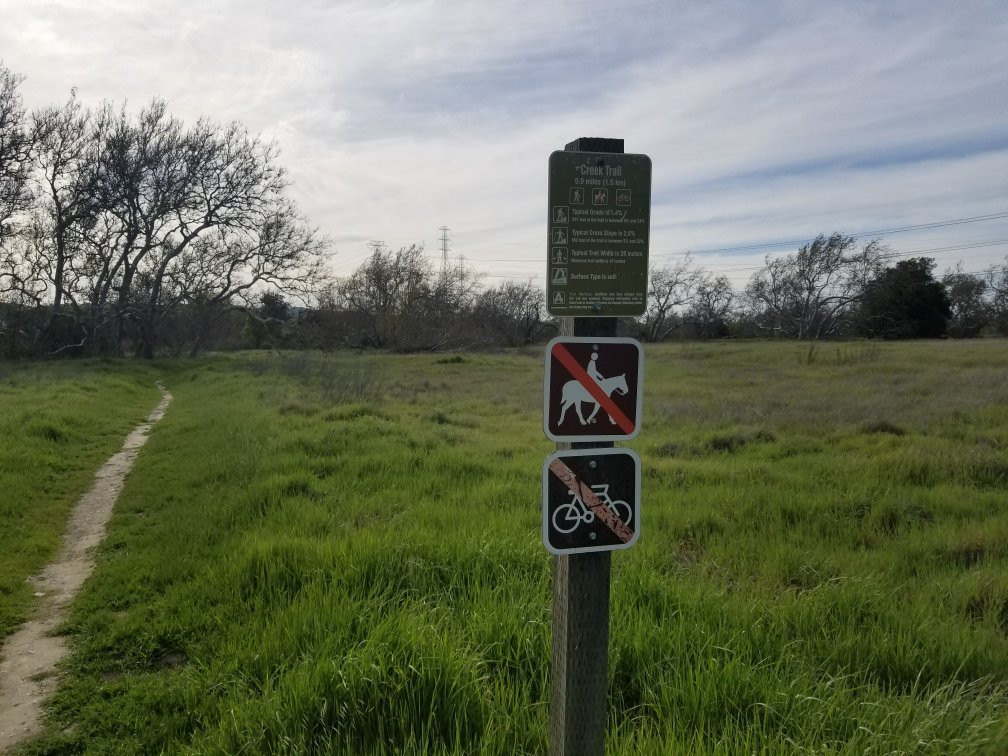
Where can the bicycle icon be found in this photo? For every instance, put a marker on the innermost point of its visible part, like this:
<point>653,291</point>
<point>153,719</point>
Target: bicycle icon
<point>568,516</point>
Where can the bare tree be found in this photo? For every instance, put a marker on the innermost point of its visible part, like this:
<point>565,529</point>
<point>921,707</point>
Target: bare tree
<point>15,149</point>
<point>669,289</point>
<point>22,291</point>
<point>137,217</point>
<point>67,148</point>
<point>178,215</point>
<point>232,269</point>
<point>997,286</point>
<point>967,295</point>
<point>813,293</point>
<point>512,312</point>
<point>23,275</point>
<point>452,297</point>
<point>396,300</point>
<point>711,307</point>
<point>141,187</point>
<point>231,184</point>
<point>385,290</point>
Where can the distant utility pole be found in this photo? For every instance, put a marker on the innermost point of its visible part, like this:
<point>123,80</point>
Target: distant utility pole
<point>445,243</point>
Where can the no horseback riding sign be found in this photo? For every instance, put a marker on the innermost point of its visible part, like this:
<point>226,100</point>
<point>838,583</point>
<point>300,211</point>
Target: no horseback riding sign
<point>592,389</point>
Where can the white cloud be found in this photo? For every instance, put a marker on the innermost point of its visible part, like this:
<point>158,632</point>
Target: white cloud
<point>764,121</point>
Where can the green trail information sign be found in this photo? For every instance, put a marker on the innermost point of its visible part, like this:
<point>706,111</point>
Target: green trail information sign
<point>599,223</point>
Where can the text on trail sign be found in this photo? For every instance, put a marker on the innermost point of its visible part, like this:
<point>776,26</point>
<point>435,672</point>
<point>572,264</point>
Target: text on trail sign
<point>592,389</point>
<point>598,233</point>
<point>591,500</point>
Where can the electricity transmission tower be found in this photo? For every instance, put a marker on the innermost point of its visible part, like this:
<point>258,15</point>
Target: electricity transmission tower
<point>445,243</point>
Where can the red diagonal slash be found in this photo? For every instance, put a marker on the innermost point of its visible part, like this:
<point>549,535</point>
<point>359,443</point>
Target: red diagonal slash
<point>574,368</point>
<point>575,486</point>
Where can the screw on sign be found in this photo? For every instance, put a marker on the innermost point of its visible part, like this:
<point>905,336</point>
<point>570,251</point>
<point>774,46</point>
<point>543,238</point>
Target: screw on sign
<point>591,500</point>
<point>592,389</point>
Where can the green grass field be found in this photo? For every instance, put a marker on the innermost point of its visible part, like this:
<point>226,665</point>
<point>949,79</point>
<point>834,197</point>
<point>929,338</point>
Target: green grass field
<point>340,554</point>
<point>58,422</point>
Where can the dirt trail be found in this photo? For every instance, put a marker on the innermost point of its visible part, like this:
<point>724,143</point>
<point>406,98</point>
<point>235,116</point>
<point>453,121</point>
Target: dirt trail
<point>29,657</point>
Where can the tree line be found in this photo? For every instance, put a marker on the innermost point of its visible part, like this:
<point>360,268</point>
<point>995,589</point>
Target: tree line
<point>118,230</point>
<point>134,233</point>
<point>833,287</point>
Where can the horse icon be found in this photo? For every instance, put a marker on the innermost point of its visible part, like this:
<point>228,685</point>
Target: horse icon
<point>574,394</point>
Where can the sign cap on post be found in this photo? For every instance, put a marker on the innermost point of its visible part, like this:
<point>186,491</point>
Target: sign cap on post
<point>595,144</point>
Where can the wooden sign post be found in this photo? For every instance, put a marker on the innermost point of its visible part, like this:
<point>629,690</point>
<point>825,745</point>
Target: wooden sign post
<point>579,684</point>
<point>583,188</point>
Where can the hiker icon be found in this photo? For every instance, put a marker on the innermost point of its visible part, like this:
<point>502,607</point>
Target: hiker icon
<point>559,235</point>
<point>574,393</point>
<point>576,195</point>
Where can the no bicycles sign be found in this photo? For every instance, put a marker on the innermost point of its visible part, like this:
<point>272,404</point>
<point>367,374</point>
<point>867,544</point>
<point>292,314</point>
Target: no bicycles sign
<point>591,500</point>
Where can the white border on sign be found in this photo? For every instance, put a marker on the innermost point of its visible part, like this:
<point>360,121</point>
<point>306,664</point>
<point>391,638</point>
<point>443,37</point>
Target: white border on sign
<point>603,451</point>
<point>546,388</point>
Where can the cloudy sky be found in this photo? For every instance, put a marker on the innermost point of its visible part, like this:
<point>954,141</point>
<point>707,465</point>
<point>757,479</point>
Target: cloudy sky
<point>766,122</point>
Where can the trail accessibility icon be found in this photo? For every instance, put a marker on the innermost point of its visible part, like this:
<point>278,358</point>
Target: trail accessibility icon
<point>592,389</point>
<point>591,500</point>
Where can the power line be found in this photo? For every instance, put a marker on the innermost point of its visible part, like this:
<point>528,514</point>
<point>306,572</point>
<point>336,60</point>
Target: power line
<point>961,246</point>
<point>794,242</point>
<point>859,235</point>
<point>891,256</point>
<point>975,245</point>
<point>445,244</point>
